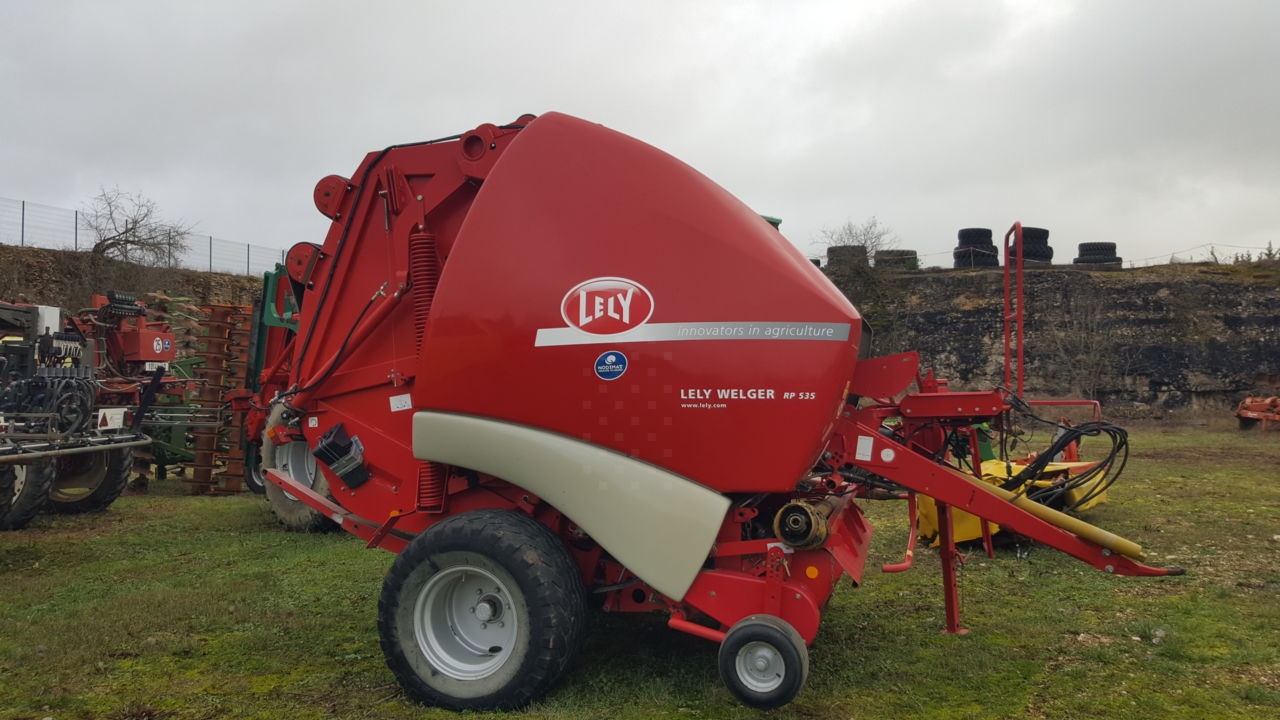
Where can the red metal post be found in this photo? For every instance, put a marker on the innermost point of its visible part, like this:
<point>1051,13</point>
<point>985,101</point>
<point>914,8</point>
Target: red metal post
<point>949,557</point>
<point>1013,315</point>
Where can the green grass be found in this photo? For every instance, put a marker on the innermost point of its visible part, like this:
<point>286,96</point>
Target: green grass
<point>170,606</point>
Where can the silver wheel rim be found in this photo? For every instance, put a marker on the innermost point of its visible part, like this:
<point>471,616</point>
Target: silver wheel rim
<point>19,479</point>
<point>760,667</point>
<point>464,623</point>
<point>297,462</point>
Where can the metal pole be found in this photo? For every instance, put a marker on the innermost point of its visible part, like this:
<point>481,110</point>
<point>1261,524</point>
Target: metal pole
<point>247,247</point>
<point>77,229</point>
<point>22,226</point>
<point>210,253</point>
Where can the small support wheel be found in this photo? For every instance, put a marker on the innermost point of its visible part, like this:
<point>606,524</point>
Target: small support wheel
<point>763,661</point>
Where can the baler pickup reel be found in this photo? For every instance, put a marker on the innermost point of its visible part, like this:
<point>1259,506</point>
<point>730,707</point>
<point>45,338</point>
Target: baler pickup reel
<point>881,443</point>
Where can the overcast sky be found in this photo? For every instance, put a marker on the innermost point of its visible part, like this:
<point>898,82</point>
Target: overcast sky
<point>1153,124</point>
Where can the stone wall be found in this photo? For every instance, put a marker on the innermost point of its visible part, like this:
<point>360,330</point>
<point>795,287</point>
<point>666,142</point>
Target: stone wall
<point>67,279</point>
<point>1193,336</point>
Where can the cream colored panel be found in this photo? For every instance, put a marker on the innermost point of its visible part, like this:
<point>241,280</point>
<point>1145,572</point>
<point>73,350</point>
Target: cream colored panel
<point>656,523</point>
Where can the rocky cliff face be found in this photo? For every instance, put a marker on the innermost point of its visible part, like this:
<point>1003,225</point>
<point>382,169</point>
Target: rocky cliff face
<point>1173,336</point>
<point>1165,337</point>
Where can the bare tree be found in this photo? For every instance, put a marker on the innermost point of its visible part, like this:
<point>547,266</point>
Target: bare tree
<point>871,234</point>
<point>127,226</point>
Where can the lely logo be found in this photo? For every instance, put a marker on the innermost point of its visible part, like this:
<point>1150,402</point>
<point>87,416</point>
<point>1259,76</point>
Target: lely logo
<point>607,306</point>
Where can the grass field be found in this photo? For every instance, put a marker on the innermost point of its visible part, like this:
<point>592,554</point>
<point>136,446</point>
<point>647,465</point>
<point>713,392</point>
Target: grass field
<point>170,606</point>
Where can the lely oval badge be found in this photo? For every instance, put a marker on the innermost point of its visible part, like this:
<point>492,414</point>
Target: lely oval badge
<point>607,306</point>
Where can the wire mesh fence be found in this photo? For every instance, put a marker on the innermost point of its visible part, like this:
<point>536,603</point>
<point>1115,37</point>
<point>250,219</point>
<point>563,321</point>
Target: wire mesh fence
<point>31,224</point>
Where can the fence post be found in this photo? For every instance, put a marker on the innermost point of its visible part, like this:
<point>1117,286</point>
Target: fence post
<point>247,248</point>
<point>76,242</point>
<point>210,253</point>
<point>22,226</point>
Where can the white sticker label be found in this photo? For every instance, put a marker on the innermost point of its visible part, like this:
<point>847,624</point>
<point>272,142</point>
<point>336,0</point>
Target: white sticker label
<point>110,418</point>
<point>863,451</point>
<point>400,403</point>
<point>313,422</point>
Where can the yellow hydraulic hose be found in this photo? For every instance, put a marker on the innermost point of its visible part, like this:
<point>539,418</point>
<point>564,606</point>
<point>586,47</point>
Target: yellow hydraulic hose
<point>1092,533</point>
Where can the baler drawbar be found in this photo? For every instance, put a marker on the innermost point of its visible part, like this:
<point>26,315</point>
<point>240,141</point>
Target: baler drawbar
<point>544,362</point>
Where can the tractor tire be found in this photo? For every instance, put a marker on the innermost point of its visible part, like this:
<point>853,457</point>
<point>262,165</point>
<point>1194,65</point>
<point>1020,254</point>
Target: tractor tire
<point>1035,235</point>
<point>1097,249</point>
<point>483,611</point>
<point>974,237</point>
<point>763,661</point>
<point>975,257</point>
<point>1247,423</point>
<point>7,481</point>
<point>1086,260</point>
<point>295,460</point>
<point>89,482</point>
<point>1034,254</point>
<point>27,492</point>
<point>897,259</point>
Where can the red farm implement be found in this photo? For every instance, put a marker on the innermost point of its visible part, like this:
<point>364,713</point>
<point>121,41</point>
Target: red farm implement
<point>544,361</point>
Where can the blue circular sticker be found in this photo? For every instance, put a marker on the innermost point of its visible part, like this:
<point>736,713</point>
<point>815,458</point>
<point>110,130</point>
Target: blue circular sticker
<point>611,365</point>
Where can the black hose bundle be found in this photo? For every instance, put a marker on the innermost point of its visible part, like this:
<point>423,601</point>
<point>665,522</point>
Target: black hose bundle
<point>52,405</point>
<point>1092,482</point>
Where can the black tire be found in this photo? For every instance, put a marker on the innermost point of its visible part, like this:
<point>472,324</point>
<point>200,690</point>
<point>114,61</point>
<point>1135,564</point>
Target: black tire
<point>1247,423</point>
<point>27,492</point>
<point>1084,260</point>
<point>6,489</point>
<point>294,459</point>
<point>519,571</point>
<point>1035,254</point>
<point>763,661</point>
<point>897,259</point>
<point>975,257</point>
<point>253,477</point>
<point>1088,249</point>
<point>1034,235</point>
<point>973,237</point>
<point>89,482</point>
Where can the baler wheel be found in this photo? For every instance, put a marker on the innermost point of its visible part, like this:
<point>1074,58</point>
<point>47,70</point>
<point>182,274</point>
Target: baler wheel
<point>483,611</point>
<point>89,482</point>
<point>1247,423</point>
<point>763,661</point>
<point>254,478</point>
<point>295,460</point>
<point>26,489</point>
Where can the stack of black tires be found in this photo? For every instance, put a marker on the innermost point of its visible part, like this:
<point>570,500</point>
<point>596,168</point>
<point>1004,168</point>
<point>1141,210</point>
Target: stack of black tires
<point>897,259</point>
<point>975,249</point>
<point>1035,248</point>
<point>1099,254</point>
<point>847,256</point>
